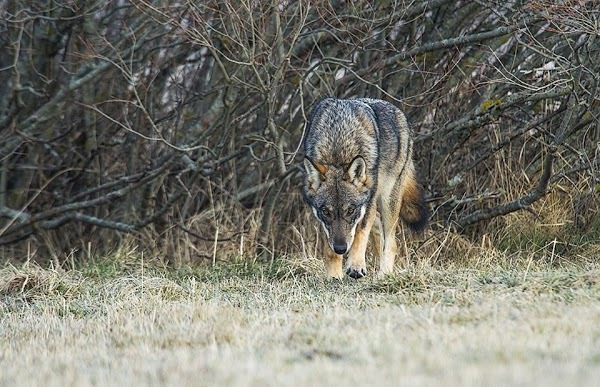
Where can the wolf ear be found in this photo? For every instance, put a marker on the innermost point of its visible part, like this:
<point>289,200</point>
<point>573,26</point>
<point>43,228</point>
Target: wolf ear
<point>315,173</point>
<point>357,171</point>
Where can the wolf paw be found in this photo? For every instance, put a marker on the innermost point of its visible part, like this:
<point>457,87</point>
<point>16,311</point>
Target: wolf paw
<point>356,273</point>
<point>381,274</point>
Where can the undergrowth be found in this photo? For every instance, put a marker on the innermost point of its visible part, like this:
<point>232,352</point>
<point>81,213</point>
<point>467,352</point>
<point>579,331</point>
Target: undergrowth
<point>541,251</point>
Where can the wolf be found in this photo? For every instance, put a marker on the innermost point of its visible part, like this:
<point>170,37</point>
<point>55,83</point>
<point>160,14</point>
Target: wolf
<point>358,161</point>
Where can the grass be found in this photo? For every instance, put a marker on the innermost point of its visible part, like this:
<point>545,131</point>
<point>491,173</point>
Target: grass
<point>127,322</point>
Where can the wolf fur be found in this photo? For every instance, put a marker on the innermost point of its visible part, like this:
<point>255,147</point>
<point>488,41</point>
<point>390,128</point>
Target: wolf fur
<point>359,169</point>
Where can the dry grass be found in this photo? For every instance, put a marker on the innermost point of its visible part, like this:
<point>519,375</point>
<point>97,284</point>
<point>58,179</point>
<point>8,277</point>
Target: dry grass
<point>118,321</point>
<point>519,305</point>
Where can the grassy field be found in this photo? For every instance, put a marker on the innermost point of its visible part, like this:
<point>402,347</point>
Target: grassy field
<point>122,322</point>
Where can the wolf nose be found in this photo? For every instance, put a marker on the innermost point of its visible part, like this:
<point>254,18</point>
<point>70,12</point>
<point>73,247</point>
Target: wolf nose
<point>340,248</point>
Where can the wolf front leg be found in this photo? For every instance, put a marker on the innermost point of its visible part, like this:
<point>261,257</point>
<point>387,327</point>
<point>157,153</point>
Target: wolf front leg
<point>356,267</point>
<point>333,264</point>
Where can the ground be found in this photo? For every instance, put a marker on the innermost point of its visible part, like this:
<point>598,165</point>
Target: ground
<point>249,324</point>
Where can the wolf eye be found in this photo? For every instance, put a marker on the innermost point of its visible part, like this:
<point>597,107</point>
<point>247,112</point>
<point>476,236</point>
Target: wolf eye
<point>326,213</point>
<point>350,211</point>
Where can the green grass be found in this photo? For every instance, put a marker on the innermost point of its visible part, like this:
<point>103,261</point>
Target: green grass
<point>244,323</point>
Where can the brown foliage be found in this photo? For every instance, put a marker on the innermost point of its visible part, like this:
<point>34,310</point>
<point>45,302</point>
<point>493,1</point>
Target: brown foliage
<point>183,120</point>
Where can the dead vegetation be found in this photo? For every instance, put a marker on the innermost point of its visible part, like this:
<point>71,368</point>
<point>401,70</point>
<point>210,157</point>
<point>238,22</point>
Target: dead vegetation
<point>148,150</point>
<point>494,321</point>
<point>179,124</point>
<point>519,306</point>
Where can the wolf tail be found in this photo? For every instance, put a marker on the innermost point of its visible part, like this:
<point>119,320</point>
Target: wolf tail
<point>414,212</point>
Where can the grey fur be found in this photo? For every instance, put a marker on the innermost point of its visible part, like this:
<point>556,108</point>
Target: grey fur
<point>359,161</point>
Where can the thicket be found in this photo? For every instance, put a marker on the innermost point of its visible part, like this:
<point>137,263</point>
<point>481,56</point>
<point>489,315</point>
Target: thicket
<point>178,124</point>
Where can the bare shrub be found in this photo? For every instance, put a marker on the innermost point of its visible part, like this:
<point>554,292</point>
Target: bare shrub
<point>180,123</point>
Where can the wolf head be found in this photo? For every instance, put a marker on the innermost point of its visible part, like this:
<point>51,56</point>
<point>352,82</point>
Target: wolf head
<point>338,196</point>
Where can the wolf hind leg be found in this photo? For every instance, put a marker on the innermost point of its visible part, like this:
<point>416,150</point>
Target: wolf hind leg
<point>356,266</point>
<point>390,211</point>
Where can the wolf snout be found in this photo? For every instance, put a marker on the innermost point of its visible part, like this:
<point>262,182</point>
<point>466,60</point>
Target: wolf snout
<point>340,247</point>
